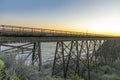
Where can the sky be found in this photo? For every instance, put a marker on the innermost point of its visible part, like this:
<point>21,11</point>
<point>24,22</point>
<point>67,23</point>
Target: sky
<point>76,15</point>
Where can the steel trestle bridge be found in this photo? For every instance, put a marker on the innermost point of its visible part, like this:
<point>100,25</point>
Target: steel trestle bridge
<point>72,48</point>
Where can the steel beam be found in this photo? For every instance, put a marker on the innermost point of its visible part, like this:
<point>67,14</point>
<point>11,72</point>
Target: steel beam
<point>79,53</point>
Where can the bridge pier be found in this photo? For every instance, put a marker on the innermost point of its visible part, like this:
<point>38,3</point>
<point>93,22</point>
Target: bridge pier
<point>75,58</point>
<point>36,54</point>
<point>59,60</point>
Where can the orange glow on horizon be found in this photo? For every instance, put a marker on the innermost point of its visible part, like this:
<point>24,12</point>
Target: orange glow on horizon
<point>67,28</point>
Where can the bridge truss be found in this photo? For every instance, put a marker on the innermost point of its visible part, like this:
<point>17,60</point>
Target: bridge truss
<point>74,54</point>
<point>69,56</point>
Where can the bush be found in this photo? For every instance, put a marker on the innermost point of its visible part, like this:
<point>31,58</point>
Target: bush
<point>51,78</point>
<point>116,65</point>
<point>110,77</point>
<point>1,65</point>
<point>14,77</point>
<point>76,77</point>
<point>107,69</point>
<point>9,60</point>
<point>94,76</point>
<point>18,70</point>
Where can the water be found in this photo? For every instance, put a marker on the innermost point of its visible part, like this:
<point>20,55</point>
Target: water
<point>47,50</point>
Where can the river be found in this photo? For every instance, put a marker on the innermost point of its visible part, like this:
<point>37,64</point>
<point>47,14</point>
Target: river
<point>47,50</point>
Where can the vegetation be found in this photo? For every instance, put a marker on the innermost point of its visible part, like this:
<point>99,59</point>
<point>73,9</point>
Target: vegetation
<point>16,70</point>
<point>106,67</point>
<point>12,69</point>
<point>76,77</point>
<point>1,65</point>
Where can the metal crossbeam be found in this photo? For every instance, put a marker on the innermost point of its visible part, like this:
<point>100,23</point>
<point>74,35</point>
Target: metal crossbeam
<point>77,53</point>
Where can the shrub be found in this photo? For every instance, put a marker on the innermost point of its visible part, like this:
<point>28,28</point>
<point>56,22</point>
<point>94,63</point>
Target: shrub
<point>18,70</point>
<point>14,77</point>
<point>116,65</point>
<point>51,78</point>
<point>76,77</point>
<point>9,60</point>
<point>1,65</point>
<point>110,77</point>
<point>94,76</point>
<point>107,69</point>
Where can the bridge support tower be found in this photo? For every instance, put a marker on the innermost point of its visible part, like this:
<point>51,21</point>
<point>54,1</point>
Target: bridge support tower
<point>36,55</point>
<point>75,58</point>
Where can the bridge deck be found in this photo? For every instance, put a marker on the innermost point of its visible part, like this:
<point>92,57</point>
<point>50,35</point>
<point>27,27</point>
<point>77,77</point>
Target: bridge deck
<point>14,33</point>
<point>6,30</point>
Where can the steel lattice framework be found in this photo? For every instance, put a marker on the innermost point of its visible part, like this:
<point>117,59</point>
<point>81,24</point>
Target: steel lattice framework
<point>74,54</point>
<point>69,57</point>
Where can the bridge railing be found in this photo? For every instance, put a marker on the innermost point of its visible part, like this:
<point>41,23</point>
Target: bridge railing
<point>8,28</point>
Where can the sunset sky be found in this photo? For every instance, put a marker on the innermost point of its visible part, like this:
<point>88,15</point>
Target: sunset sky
<point>78,15</point>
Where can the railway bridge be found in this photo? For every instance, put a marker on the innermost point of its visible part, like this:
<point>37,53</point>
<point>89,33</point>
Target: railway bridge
<point>72,48</point>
